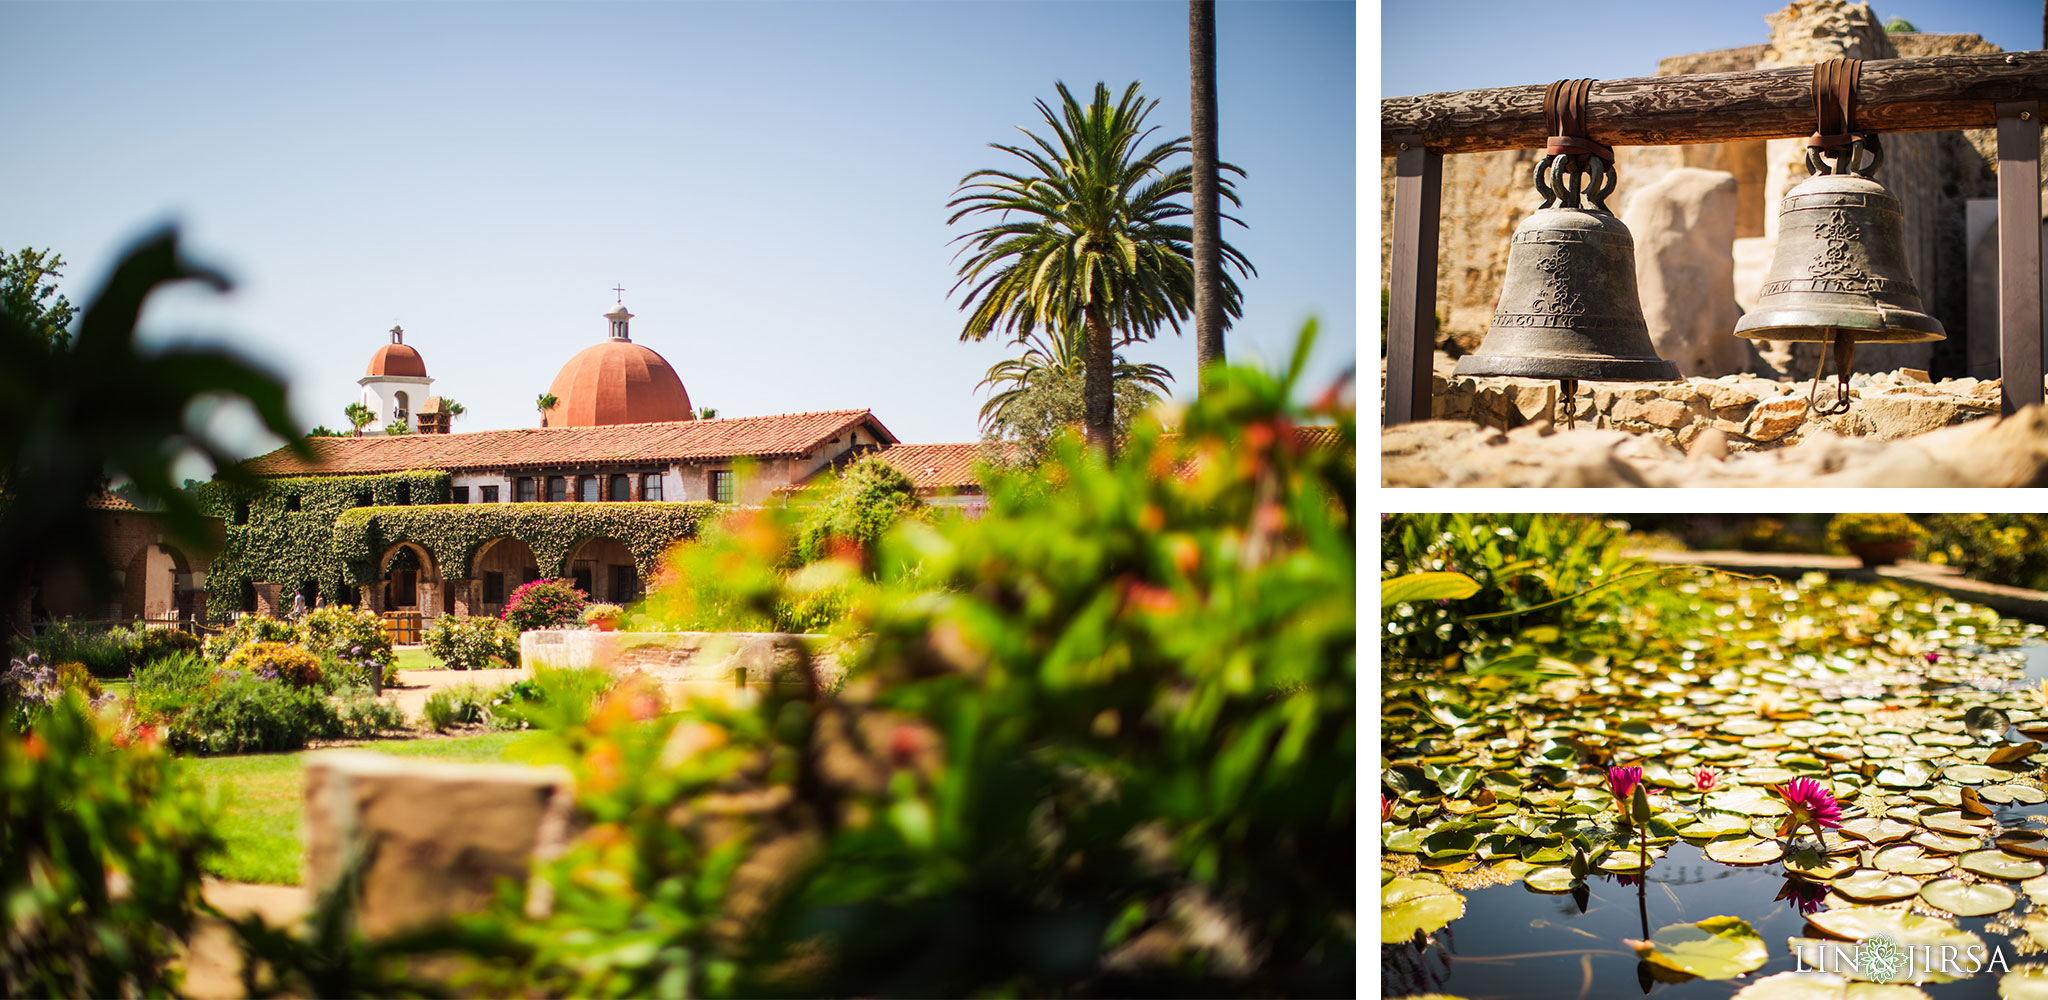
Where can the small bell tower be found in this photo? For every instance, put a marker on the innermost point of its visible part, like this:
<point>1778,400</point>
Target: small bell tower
<point>395,385</point>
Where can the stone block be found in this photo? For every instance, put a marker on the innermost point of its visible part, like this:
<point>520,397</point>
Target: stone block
<point>433,839</point>
<point>1773,419</point>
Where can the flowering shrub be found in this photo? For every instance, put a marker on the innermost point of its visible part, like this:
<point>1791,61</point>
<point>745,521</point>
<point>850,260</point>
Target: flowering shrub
<point>277,661</point>
<point>472,642</point>
<point>545,604</point>
<point>245,630</point>
<point>346,633</point>
<point>74,677</point>
<point>101,861</point>
<point>234,709</point>
<point>1848,529</point>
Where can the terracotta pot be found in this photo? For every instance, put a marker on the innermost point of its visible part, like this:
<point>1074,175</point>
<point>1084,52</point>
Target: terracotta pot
<point>605,625</point>
<point>1882,553</point>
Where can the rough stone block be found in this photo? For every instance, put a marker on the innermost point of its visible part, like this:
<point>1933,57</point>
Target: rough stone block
<point>433,838</point>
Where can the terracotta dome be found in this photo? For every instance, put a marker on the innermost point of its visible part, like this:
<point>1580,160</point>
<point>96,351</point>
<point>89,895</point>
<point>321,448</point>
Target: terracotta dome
<point>617,382</point>
<point>397,359</point>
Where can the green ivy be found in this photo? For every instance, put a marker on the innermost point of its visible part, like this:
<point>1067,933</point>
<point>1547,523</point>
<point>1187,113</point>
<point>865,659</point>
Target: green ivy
<point>286,546</point>
<point>343,523</point>
<point>453,533</point>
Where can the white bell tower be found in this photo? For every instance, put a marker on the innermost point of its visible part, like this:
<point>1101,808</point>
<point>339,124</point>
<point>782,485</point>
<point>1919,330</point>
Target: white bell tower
<point>395,386</point>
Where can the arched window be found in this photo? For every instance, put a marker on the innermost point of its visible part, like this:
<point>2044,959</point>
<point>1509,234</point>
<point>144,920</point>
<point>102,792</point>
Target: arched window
<point>401,405</point>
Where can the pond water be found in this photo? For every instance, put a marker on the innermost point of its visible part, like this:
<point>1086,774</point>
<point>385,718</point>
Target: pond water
<point>1860,726</point>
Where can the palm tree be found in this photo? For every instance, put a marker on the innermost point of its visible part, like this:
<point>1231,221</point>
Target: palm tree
<point>1207,225</point>
<point>1088,235</point>
<point>1046,367</point>
<point>453,409</point>
<point>544,402</point>
<point>358,416</point>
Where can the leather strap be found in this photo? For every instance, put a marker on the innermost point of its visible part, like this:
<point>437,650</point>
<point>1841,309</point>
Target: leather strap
<point>1834,102</point>
<point>1564,114</point>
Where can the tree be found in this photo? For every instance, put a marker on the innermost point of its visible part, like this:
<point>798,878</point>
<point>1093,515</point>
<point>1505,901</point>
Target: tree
<point>1089,235</point>
<point>453,409</point>
<point>1208,225</point>
<point>26,289</point>
<point>544,402</point>
<point>397,427</point>
<point>707,413</point>
<point>359,416</point>
<point>60,436</point>
<point>323,431</point>
<point>1039,395</point>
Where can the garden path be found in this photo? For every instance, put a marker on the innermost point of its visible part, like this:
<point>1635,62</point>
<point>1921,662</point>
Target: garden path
<point>213,967</point>
<point>417,685</point>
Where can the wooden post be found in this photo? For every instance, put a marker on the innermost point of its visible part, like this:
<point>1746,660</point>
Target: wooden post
<point>1411,309</point>
<point>2020,331</point>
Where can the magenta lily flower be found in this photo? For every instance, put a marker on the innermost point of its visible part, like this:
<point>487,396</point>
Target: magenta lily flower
<point>1622,781</point>
<point>1811,805</point>
<point>1705,780</point>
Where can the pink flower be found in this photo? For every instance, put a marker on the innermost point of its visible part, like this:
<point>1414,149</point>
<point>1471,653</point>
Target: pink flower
<point>1386,808</point>
<point>1622,781</point>
<point>1811,805</point>
<point>1705,780</point>
<point>1934,657</point>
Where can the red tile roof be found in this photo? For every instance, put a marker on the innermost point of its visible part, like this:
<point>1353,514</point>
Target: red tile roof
<point>683,440</point>
<point>936,466</point>
<point>108,501</point>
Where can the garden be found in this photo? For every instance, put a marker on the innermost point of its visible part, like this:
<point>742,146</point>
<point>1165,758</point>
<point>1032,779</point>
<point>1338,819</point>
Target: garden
<point>1606,771</point>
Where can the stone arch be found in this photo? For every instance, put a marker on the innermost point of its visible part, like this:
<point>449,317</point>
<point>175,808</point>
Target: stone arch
<point>158,584</point>
<point>499,567</point>
<point>604,568</point>
<point>409,579</point>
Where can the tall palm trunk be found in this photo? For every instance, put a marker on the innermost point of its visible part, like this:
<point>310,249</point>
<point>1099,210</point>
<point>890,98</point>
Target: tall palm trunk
<point>1097,397</point>
<point>1208,227</point>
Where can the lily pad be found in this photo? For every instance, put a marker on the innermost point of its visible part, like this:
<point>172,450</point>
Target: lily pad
<point>1999,864</point>
<point>1872,886</point>
<point>2028,842</point>
<point>1942,843</point>
<point>1814,865</point>
<point>1954,822</point>
<point>2026,982</point>
<point>1811,985</point>
<point>1910,774</point>
<point>1713,825</point>
<point>2012,752</point>
<point>1905,930</point>
<point>2022,794</point>
<point>1410,905</point>
<point>1877,831</point>
<point>1973,774</point>
<point>1745,850</point>
<point>1559,879</point>
<point>1910,859</point>
<point>1714,948</point>
<point>1968,899</point>
<point>1749,802</point>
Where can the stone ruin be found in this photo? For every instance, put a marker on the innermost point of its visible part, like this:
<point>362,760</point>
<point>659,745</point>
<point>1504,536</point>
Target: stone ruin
<point>1704,219</point>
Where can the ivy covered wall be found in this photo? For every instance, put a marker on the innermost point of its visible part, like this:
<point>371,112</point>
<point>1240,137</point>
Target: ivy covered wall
<point>454,532</point>
<point>332,529</point>
<point>282,530</point>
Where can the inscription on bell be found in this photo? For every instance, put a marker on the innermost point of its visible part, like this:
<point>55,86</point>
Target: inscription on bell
<point>1869,286</point>
<point>1575,321</point>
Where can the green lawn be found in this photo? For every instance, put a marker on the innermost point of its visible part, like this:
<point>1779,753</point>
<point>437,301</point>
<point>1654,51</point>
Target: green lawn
<point>417,658</point>
<point>262,798</point>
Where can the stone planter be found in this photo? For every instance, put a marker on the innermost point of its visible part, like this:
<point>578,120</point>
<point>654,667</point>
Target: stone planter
<point>1882,553</point>
<point>605,625</point>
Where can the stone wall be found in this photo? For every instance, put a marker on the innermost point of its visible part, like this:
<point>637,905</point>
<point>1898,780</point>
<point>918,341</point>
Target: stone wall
<point>1933,174</point>
<point>688,663</point>
<point>1745,412</point>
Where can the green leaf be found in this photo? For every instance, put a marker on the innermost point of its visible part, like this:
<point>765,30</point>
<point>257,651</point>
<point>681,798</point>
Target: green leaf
<point>1409,906</point>
<point>1438,586</point>
<point>1968,899</point>
<point>1714,948</point>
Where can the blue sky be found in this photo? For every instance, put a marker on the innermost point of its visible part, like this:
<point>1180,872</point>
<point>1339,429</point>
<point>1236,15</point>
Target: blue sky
<point>1506,43</point>
<point>768,181</point>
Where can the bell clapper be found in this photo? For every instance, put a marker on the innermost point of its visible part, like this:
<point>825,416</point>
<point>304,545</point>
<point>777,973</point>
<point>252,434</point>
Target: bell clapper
<point>1845,357</point>
<point>1567,393</point>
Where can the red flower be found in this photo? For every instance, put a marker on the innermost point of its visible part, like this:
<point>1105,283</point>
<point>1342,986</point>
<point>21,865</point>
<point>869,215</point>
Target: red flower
<point>1705,780</point>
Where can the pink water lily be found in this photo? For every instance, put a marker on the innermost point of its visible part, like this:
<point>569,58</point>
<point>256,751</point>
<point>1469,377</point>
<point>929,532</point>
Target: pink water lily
<point>1622,781</point>
<point>1812,805</point>
<point>1705,780</point>
<point>1386,808</point>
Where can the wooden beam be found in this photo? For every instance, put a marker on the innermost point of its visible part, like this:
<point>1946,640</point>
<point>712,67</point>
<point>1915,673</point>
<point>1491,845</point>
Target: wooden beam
<point>1893,95</point>
<point>2019,255</point>
<point>1411,306</point>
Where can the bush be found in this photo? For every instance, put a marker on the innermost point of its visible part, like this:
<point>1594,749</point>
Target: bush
<point>360,714</point>
<point>82,804</point>
<point>545,604</point>
<point>163,690</point>
<point>453,706</point>
<point>245,630</point>
<point>347,634</point>
<point>105,652</point>
<point>472,642</point>
<point>1856,529</point>
<point>277,661</point>
<point>1094,708</point>
<point>1519,561</point>
<point>74,677</point>
<point>2010,549</point>
<point>237,710</point>
<point>856,509</point>
<point>157,642</point>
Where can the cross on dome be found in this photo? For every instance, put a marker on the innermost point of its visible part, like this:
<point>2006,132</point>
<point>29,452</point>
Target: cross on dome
<point>397,334</point>
<point>619,294</point>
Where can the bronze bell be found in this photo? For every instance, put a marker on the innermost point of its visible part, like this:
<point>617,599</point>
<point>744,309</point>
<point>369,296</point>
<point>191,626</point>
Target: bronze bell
<point>1840,274</point>
<point>1568,305</point>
